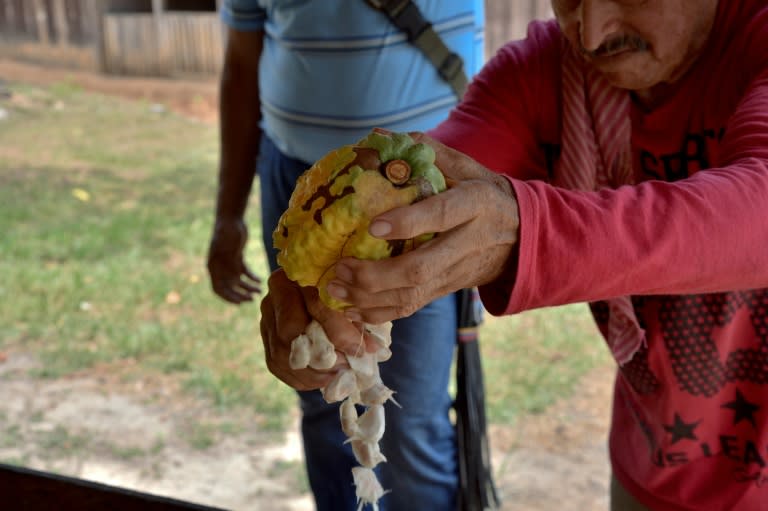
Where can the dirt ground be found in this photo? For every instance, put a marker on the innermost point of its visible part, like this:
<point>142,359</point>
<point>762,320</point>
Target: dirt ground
<point>195,97</point>
<point>148,435</point>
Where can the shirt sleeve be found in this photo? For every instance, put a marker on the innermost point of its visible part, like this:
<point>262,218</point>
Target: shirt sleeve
<point>244,15</point>
<point>707,233</point>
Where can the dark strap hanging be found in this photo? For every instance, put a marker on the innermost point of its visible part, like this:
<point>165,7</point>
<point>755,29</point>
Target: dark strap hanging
<point>406,16</point>
<point>477,491</point>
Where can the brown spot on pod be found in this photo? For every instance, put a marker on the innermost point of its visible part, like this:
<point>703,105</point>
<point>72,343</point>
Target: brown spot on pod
<point>425,188</point>
<point>366,157</point>
<point>324,192</point>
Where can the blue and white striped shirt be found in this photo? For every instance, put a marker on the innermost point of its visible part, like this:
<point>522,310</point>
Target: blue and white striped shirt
<point>333,69</point>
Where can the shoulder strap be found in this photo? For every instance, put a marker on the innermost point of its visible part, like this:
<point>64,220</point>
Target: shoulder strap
<point>406,16</point>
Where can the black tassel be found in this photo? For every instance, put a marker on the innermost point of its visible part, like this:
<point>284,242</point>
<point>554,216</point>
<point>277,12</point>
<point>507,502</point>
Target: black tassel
<point>477,491</point>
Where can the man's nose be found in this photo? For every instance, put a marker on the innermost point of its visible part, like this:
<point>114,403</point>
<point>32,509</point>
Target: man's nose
<point>598,19</point>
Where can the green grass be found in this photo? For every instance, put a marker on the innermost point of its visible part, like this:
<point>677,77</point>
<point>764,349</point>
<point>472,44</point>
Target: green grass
<point>202,436</point>
<point>294,470</point>
<point>532,359</point>
<point>105,213</point>
<point>60,442</point>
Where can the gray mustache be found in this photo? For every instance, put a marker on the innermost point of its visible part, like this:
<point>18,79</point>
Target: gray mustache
<point>617,44</point>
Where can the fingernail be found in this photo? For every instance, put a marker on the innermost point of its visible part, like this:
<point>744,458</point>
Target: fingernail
<point>379,228</point>
<point>336,290</point>
<point>353,315</point>
<point>343,272</point>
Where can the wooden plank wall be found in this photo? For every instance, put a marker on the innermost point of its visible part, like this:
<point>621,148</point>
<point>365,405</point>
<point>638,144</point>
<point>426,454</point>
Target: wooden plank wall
<point>180,42</point>
<point>55,22</point>
<point>17,20</point>
<point>130,44</point>
<point>169,45</point>
<point>52,32</point>
<point>196,41</point>
<point>81,20</point>
<point>192,42</point>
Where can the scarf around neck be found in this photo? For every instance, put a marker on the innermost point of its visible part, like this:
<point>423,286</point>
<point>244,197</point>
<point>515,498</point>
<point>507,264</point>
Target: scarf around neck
<point>596,153</point>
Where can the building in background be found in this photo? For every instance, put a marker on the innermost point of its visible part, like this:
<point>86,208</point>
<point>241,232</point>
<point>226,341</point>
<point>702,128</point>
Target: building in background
<point>170,38</point>
<point>508,19</point>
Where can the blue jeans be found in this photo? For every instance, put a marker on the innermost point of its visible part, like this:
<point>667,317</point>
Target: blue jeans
<point>420,440</point>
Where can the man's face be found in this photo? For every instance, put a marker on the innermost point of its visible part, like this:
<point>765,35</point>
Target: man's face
<point>637,44</point>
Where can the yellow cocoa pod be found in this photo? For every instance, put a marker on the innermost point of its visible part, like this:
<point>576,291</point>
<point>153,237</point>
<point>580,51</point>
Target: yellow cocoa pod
<point>335,200</point>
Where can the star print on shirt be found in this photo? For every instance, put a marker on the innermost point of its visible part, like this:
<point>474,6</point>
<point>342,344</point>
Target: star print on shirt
<point>744,410</point>
<point>681,429</point>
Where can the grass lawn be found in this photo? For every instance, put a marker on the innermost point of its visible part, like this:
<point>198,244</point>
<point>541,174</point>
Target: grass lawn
<point>105,212</point>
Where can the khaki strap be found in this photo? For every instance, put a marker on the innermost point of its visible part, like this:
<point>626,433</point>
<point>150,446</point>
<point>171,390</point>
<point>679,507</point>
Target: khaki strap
<point>406,16</point>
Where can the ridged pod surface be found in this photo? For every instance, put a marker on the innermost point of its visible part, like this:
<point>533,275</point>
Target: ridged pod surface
<point>335,200</point>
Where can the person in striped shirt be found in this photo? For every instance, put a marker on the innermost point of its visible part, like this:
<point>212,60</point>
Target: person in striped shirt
<point>300,78</point>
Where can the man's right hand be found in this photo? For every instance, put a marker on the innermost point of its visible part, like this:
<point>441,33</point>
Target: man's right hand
<point>286,310</point>
<point>230,277</point>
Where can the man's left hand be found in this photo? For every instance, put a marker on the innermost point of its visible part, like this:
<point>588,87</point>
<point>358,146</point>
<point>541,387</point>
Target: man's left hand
<point>476,221</point>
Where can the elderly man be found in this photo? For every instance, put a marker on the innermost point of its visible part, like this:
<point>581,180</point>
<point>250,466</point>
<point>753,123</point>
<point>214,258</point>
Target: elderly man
<point>629,147</point>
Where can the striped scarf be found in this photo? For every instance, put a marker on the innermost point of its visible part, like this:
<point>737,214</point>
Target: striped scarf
<point>596,153</point>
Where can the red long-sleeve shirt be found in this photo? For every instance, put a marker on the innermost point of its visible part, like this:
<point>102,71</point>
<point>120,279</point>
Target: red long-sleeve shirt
<point>689,243</point>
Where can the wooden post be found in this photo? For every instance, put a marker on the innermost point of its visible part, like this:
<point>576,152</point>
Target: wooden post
<point>163,62</point>
<point>8,18</point>
<point>98,9</point>
<point>41,21</point>
<point>157,9</point>
<point>60,22</point>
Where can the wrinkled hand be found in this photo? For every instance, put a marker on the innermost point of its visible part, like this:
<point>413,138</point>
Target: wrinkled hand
<point>286,311</point>
<point>476,221</point>
<point>230,277</point>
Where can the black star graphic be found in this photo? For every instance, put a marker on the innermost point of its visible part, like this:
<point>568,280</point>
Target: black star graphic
<point>680,429</point>
<point>743,408</point>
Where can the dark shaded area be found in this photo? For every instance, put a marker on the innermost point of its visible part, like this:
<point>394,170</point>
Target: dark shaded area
<point>33,490</point>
